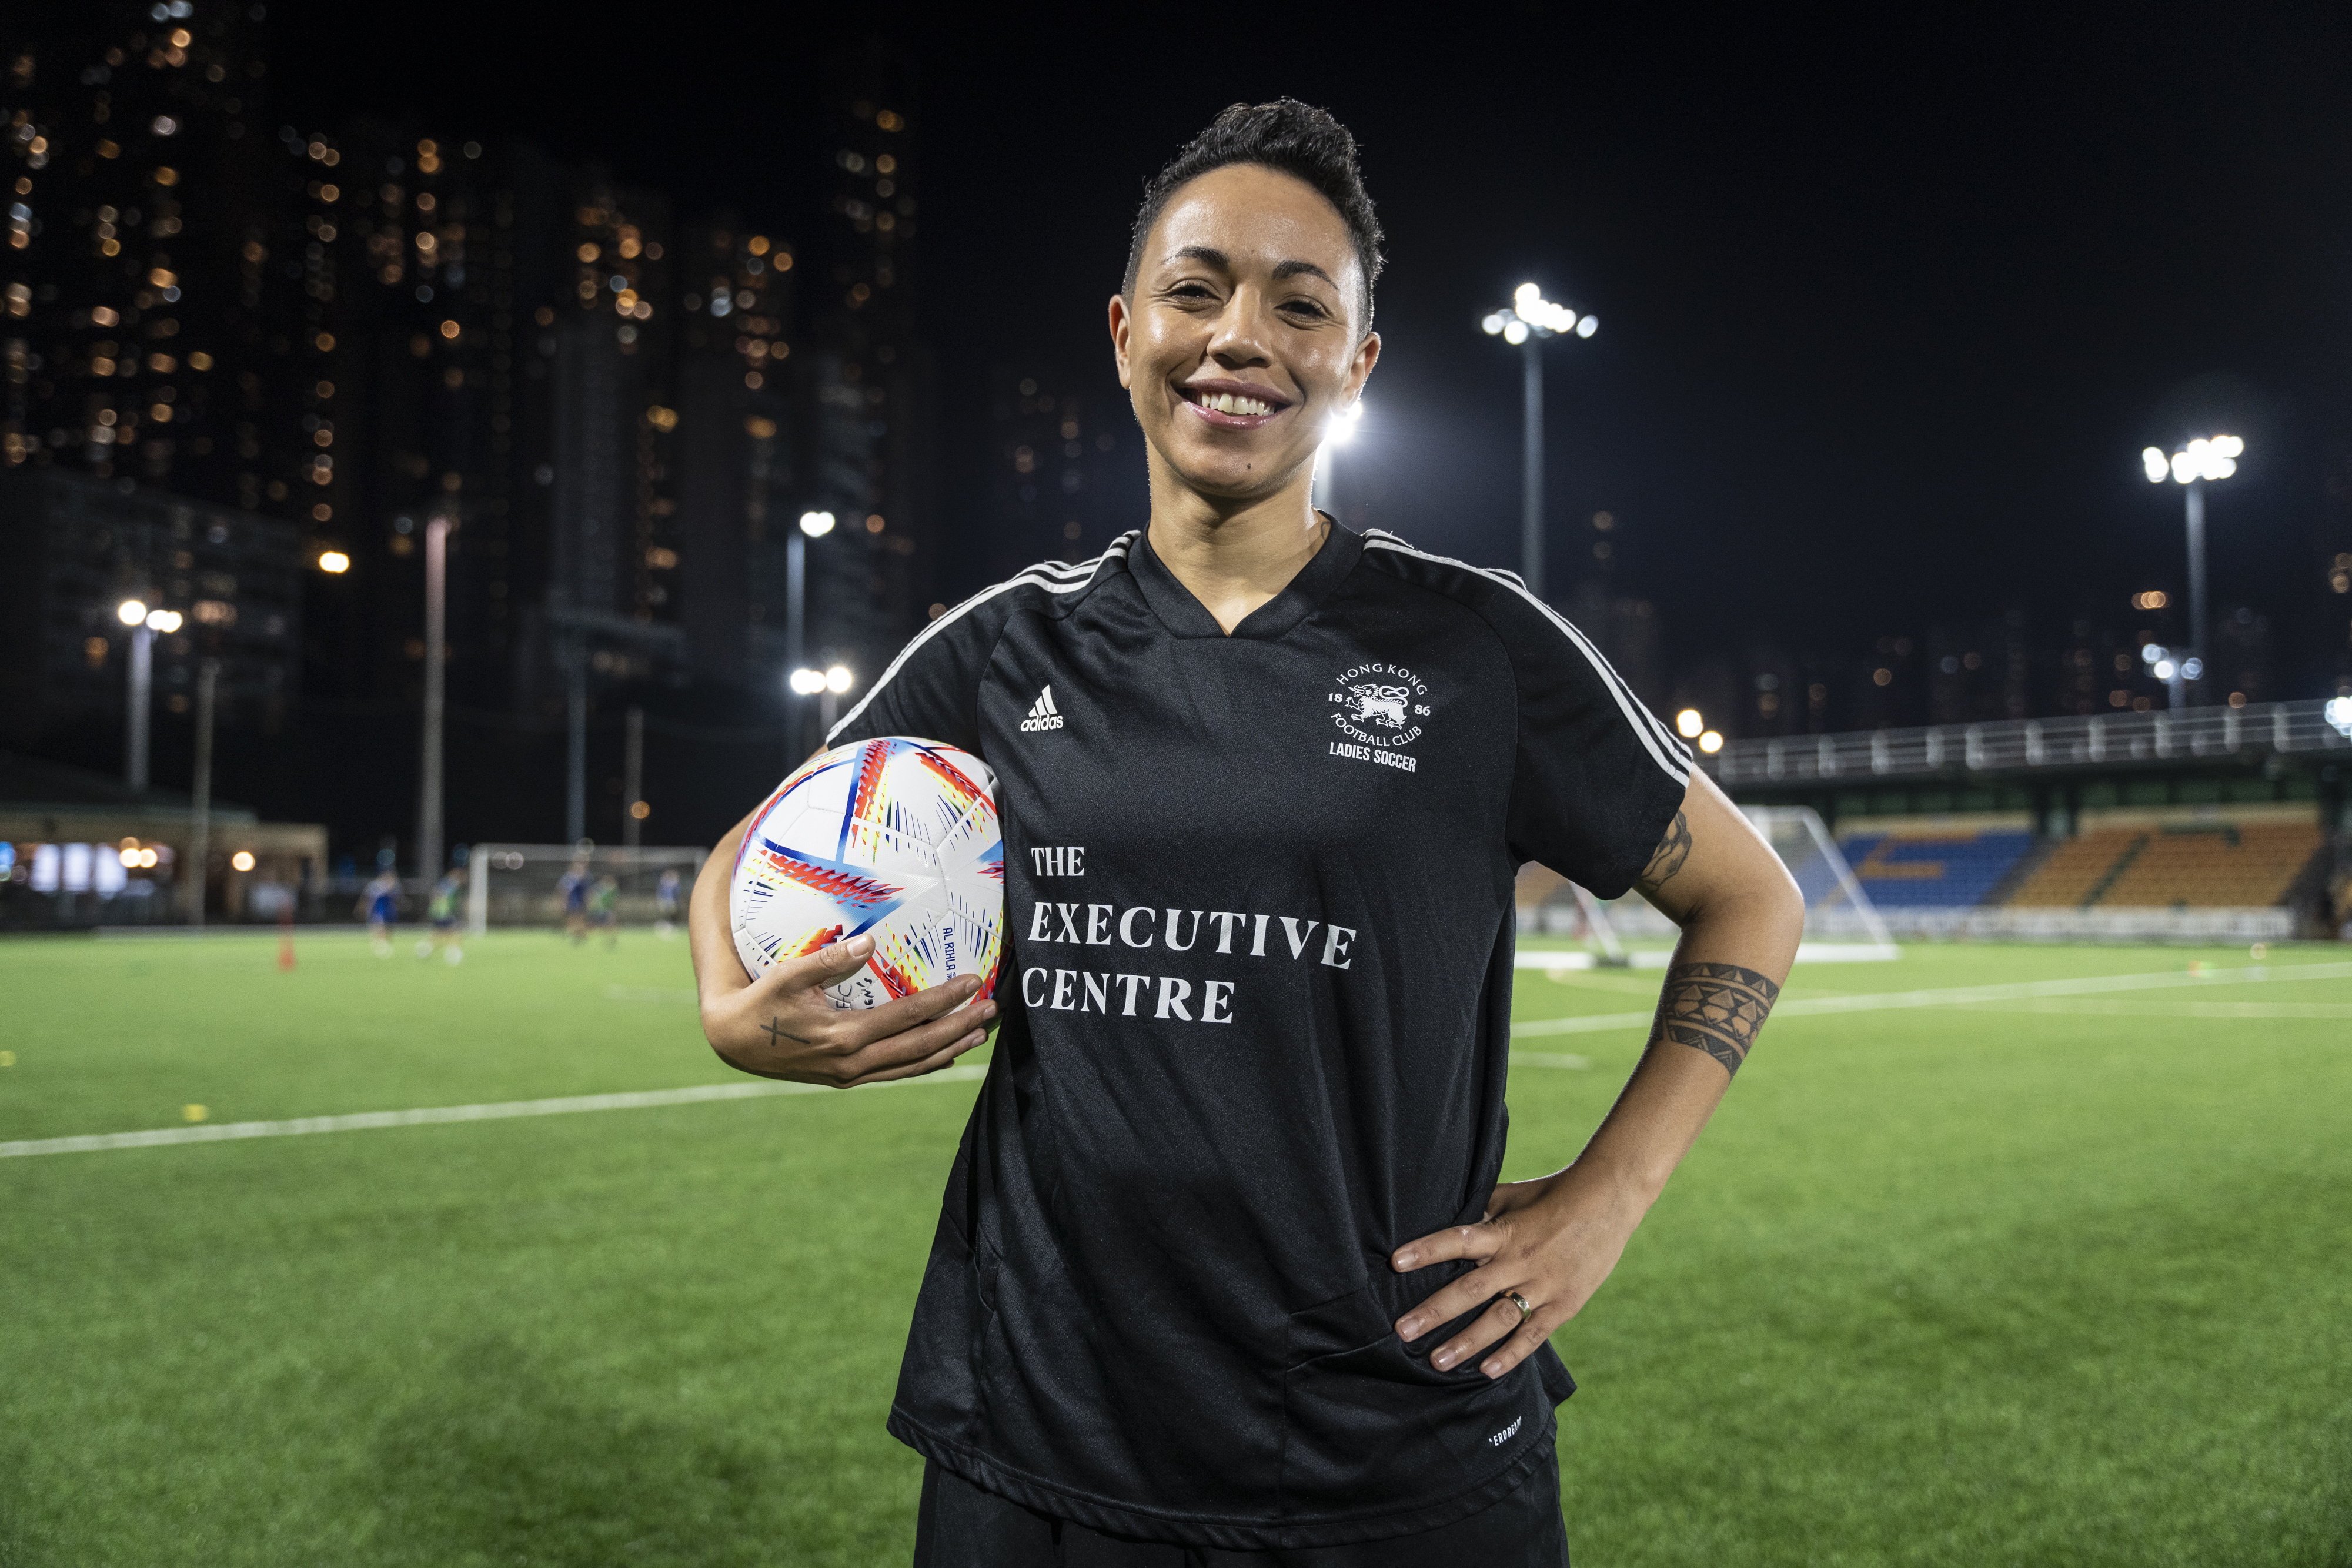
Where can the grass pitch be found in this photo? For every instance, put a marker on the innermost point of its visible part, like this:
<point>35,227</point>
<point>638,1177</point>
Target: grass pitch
<point>2057,1276</point>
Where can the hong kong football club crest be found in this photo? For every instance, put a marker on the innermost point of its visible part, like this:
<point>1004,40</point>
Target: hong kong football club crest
<point>1379,704</point>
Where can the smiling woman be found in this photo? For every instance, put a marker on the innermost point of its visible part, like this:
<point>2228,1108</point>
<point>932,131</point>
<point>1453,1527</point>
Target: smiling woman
<point>1225,1261</point>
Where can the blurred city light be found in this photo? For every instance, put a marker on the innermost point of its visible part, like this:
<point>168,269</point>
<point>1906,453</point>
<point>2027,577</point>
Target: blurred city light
<point>2164,669</point>
<point>1711,742</point>
<point>837,679</point>
<point>163,620</point>
<point>242,860</point>
<point>334,562</point>
<point>1688,724</point>
<point>808,683</point>
<point>130,612</point>
<point>816,525</point>
<point>2154,599</point>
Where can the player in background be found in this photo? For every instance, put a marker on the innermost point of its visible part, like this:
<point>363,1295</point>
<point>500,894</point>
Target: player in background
<point>604,914</point>
<point>573,887</point>
<point>448,937</point>
<point>665,904</point>
<point>1226,1271</point>
<point>379,906</point>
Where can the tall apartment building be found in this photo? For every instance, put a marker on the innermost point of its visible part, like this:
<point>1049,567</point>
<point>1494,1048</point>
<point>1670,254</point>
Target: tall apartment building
<point>342,334</point>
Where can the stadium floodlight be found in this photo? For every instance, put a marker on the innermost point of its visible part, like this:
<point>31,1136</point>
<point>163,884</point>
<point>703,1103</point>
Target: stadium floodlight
<point>2339,713</point>
<point>1711,741</point>
<point>334,562</point>
<point>816,525</point>
<point>838,679</point>
<point>1689,724</point>
<point>2207,457</point>
<point>1525,324</point>
<point>1337,430</point>
<point>130,612</point>
<point>808,683</point>
<point>163,620</point>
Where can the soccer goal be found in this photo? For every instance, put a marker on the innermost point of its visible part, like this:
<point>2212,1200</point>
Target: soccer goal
<point>1841,926</point>
<point>525,885</point>
<point>1835,904</point>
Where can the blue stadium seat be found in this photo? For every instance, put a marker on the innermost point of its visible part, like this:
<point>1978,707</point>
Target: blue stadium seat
<point>1953,871</point>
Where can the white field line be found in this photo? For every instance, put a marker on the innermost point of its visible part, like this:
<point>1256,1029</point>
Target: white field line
<point>1557,959</point>
<point>367,1120</point>
<point>1961,996</point>
<point>2178,1010</point>
<point>1574,1063</point>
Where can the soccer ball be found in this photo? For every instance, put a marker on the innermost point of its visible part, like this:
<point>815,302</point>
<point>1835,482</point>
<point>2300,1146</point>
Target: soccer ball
<point>896,838</point>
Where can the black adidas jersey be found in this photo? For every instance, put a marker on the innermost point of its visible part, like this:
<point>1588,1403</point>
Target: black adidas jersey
<point>1256,1033</point>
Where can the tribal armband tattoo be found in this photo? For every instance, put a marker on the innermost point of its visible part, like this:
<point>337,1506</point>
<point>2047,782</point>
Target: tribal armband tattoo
<point>1715,1008</point>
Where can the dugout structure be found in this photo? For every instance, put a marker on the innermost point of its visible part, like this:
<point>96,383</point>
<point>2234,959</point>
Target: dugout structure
<point>522,885</point>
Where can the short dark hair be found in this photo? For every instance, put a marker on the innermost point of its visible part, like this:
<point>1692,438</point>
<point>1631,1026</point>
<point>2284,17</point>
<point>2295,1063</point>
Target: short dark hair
<point>1287,136</point>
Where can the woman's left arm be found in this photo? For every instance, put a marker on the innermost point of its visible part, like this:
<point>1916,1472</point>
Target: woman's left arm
<point>1553,1240</point>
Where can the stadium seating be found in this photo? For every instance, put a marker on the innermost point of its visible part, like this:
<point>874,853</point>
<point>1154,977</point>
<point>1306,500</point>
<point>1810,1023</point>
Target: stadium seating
<point>1954,870</point>
<point>2194,865</point>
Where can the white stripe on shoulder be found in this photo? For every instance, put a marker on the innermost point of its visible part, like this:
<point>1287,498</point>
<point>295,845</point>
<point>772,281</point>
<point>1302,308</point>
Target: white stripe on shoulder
<point>1028,577</point>
<point>1665,747</point>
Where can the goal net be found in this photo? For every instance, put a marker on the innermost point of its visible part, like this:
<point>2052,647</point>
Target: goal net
<point>526,884</point>
<point>1839,920</point>
<point>1841,923</point>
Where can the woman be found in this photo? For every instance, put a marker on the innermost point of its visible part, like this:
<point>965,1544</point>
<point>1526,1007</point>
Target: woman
<point>1223,1271</point>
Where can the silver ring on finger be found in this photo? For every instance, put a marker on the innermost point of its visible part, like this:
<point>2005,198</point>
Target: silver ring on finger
<point>1516,1300</point>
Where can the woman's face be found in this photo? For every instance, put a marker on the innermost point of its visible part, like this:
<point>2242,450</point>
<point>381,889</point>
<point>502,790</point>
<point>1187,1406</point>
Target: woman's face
<point>1244,337</point>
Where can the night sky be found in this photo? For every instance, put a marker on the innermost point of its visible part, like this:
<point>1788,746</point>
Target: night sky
<point>1888,308</point>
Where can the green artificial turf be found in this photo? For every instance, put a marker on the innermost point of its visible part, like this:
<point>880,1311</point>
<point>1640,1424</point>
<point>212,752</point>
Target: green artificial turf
<point>2043,1281</point>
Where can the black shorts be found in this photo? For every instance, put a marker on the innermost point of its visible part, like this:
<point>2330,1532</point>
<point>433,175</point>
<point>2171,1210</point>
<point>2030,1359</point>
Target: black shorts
<point>960,1526</point>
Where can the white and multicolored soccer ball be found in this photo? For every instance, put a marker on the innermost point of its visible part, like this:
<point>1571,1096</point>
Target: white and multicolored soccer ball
<point>895,838</point>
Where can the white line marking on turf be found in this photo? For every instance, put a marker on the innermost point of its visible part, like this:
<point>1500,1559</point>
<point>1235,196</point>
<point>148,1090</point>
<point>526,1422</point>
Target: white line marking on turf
<point>1563,958</point>
<point>2178,1010</point>
<point>1574,1063</point>
<point>367,1120</point>
<point>1956,996</point>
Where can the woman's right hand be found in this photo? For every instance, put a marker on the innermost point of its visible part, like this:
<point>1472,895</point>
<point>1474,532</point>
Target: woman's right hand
<point>783,1025</point>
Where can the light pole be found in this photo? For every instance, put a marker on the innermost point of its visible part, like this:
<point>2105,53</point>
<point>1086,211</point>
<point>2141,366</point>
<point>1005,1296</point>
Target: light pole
<point>143,624</point>
<point>2205,458</point>
<point>813,525</point>
<point>200,814</point>
<point>437,628</point>
<point>1524,323</point>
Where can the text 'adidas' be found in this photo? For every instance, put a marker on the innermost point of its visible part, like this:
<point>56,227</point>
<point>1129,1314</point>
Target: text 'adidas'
<point>1042,714</point>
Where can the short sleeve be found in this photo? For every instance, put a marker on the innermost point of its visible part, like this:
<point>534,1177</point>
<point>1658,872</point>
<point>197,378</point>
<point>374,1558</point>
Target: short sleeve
<point>1598,780</point>
<point>932,690</point>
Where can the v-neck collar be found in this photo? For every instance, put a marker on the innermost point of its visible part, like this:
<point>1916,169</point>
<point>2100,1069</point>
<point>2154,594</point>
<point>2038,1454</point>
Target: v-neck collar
<point>1185,616</point>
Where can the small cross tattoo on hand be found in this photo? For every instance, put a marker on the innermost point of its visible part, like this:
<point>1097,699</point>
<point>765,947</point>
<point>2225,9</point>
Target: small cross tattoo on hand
<point>777,1034</point>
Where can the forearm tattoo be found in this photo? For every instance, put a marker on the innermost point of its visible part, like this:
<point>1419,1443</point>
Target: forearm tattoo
<point>1715,1008</point>
<point>1668,857</point>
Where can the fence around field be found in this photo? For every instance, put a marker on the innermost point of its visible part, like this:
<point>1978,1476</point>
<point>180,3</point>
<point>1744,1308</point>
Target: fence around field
<point>523,884</point>
<point>2024,745</point>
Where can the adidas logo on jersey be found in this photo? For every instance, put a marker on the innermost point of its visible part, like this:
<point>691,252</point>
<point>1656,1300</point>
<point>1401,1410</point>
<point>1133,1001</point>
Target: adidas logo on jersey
<point>1042,714</point>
